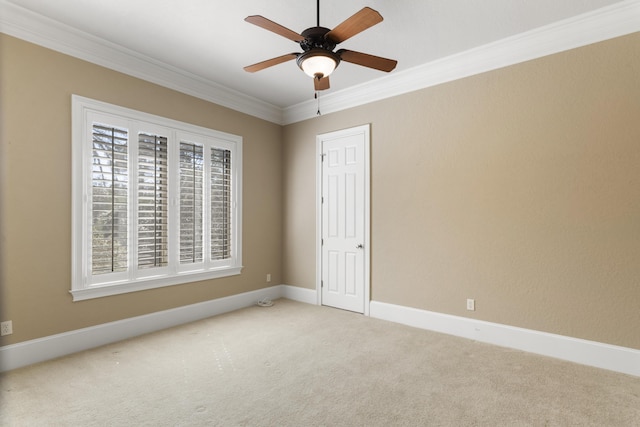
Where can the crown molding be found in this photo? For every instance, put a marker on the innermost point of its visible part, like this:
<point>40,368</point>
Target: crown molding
<point>35,28</point>
<point>606,23</point>
<point>613,21</point>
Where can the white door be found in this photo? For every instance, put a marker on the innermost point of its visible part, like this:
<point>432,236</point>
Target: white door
<point>344,223</point>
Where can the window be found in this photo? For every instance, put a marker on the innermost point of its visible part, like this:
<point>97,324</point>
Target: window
<point>156,202</point>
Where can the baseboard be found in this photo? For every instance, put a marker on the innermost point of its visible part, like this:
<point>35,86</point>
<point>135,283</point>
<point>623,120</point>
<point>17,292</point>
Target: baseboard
<point>619,359</point>
<point>42,349</point>
<point>295,293</point>
<point>606,356</point>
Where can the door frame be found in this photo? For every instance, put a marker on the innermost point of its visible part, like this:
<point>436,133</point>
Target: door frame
<point>364,130</point>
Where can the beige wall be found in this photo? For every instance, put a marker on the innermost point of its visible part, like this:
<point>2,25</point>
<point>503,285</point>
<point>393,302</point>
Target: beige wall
<point>36,85</point>
<point>518,187</point>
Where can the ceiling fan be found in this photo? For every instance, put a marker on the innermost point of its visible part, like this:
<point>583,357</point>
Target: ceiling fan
<point>318,60</point>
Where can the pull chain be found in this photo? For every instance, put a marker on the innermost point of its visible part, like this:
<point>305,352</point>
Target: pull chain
<point>317,96</point>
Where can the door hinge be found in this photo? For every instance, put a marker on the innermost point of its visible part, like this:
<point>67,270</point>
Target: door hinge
<point>322,283</point>
<point>322,157</point>
<point>321,242</point>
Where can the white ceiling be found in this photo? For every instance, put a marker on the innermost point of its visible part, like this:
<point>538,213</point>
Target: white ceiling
<point>210,40</point>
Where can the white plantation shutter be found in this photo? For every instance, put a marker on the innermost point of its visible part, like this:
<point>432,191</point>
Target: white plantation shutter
<point>191,202</point>
<point>109,199</point>
<point>153,201</point>
<point>220,204</point>
<point>156,202</point>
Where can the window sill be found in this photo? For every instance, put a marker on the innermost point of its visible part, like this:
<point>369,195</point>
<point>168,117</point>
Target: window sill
<point>98,291</point>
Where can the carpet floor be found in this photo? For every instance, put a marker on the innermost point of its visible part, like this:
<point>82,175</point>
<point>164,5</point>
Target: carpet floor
<point>296,364</point>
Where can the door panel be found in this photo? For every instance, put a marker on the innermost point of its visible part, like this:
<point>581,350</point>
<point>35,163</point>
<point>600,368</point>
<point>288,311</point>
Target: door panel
<point>343,220</point>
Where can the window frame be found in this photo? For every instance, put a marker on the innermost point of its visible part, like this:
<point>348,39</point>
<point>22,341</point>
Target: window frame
<point>86,112</point>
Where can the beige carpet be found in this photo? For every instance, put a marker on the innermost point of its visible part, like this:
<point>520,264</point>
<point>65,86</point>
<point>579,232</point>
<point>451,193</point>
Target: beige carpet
<point>295,364</point>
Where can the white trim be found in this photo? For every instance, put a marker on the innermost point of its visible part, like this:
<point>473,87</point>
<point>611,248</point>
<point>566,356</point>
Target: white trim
<point>295,293</point>
<point>367,218</point>
<point>591,353</point>
<point>606,23</point>
<point>602,24</point>
<point>22,23</point>
<point>318,245</point>
<point>366,131</point>
<point>614,358</point>
<point>39,350</point>
<point>98,291</point>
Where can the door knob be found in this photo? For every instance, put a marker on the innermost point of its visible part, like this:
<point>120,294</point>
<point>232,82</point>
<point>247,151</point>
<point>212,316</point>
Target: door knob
<point>359,246</point>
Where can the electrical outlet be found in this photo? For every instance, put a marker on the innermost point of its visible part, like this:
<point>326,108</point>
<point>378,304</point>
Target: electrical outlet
<point>6,328</point>
<point>471,304</point>
<point>268,277</point>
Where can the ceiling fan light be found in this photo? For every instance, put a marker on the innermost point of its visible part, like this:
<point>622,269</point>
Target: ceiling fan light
<point>317,63</point>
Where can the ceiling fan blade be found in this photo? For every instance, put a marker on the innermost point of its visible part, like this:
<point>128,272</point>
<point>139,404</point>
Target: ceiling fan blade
<point>270,62</point>
<point>353,25</point>
<point>366,60</point>
<point>321,84</point>
<point>267,24</point>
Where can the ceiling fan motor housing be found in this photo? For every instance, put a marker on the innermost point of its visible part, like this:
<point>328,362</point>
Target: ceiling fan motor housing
<point>314,37</point>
